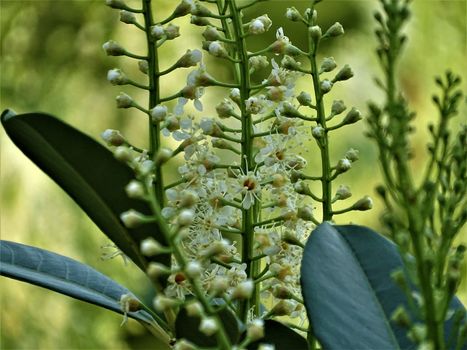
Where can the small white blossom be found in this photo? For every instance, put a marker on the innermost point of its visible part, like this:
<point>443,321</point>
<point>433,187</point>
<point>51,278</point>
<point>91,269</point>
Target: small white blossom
<point>208,326</point>
<point>117,77</point>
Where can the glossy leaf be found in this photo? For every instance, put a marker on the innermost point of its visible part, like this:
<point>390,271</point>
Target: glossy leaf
<point>283,337</point>
<point>188,327</point>
<point>87,171</point>
<point>348,292</point>
<point>64,275</point>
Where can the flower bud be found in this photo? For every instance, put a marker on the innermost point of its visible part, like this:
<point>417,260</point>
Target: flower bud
<point>283,308</point>
<point>317,132</point>
<point>145,168</point>
<point>117,77</point>
<point>315,33</point>
<point>343,165</point>
<point>280,291</point>
<point>172,31</point>
<point>150,247</point>
<point>135,189</point>
<point>304,98</point>
<point>343,192</point>
<point>235,95</point>
<point>352,116</point>
<point>188,198</point>
<point>258,62</point>
<point>193,269</point>
<point>301,188</point>
<point>127,17</point>
<point>217,49</point>
<point>255,330</point>
<point>184,8</point>
<point>400,317</point>
<point>186,217</point>
<point>113,137</point>
<point>225,109</point>
<point>208,326</point>
<point>305,213</point>
<point>157,32</point>
<point>112,48</point>
<point>328,64</point>
<point>326,86</point>
<point>163,155</point>
<point>189,59</point>
<point>219,285</point>
<point>344,74</point>
<point>211,34</point>
<point>158,113</point>
<point>157,270</point>
<point>132,218</point>
<point>352,155</point>
<point>363,204</point>
<point>124,101</point>
<point>162,303</point>
<point>260,25</point>
<point>143,66</point>
<point>243,290</point>
<point>194,309</point>
<point>266,347</point>
<point>293,14</point>
<point>184,344</point>
<point>123,154</point>
<point>338,107</point>
<point>335,30</point>
<point>199,21</point>
<point>290,63</point>
<point>116,4</point>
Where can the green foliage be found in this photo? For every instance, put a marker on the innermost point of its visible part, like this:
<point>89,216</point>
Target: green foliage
<point>356,275</point>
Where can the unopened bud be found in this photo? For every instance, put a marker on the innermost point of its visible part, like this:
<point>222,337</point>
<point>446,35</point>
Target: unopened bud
<point>400,317</point>
<point>150,247</point>
<point>343,165</point>
<point>304,98</point>
<point>255,329</point>
<point>366,203</point>
<point>135,189</point>
<point>112,48</point>
<point>162,303</point>
<point>124,101</point>
<point>315,33</point>
<point>172,31</point>
<point>184,8</point>
<point>184,344</point>
<point>317,132</point>
<point>117,77</point>
<point>158,113</point>
<point>193,269</point>
<point>335,30</point>
<point>157,32</point>
<point>123,154</point>
<point>344,74</point>
<point>343,192</point>
<point>189,59</point>
<point>352,155</point>
<point>132,218</point>
<point>116,4</point>
<point>127,17</point>
<point>208,326</point>
<point>338,107</point>
<point>194,309</point>
<point>328,64</point>
<point>281,292</point>
<point>143,66</point>
<point>352,116</point>
<point>157,270</point>
<point>199,21</point>
<point>283,308</point>
<point>243,290</point>
<point>113,137</point>
<point>293,14</point>
<point>305,213</point>
<point>211,34</point>
<point>163,155</point>
<point>326,86</point>
<point>217,49</point>
<point>186,217</point>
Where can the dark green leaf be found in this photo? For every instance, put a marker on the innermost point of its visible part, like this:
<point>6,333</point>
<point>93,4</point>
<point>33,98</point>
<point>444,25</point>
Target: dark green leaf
<point>188,326</point>
<point>64,275</point>
<point>348,292</point>
<point>87,171</point>
<point>283,337</point>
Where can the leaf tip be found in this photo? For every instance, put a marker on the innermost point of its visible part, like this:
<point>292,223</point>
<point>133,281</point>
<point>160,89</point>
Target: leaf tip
<point>7,114</point>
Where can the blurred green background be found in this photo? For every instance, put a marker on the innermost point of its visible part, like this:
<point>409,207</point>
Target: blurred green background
<point>52,61</point>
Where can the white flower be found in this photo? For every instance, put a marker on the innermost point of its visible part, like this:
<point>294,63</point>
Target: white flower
<point>190,58</point>
<point>260,25</point>
<point>217,49</point>
<point>158,113</point>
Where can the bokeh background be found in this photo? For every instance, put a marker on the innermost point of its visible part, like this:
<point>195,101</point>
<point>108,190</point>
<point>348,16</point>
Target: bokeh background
<point>52,61</point>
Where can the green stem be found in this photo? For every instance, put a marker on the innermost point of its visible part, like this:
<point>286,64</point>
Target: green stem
<point>154,98</point>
